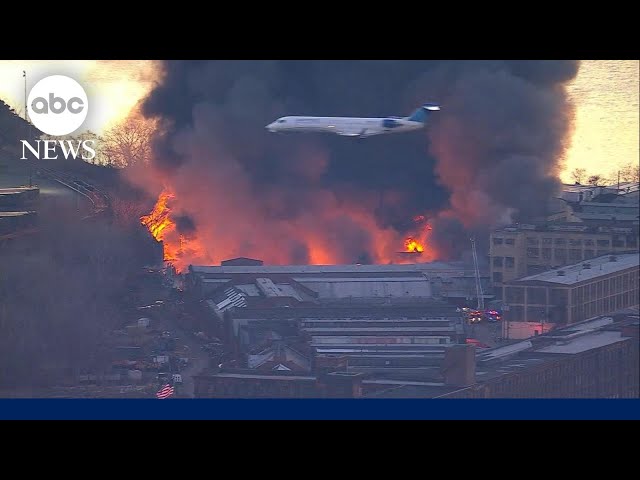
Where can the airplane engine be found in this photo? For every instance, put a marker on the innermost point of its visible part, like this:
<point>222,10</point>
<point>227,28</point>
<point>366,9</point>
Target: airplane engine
<point>390,123</point>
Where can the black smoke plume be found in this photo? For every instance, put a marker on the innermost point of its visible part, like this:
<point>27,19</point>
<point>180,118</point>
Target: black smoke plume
<point>491,155</point>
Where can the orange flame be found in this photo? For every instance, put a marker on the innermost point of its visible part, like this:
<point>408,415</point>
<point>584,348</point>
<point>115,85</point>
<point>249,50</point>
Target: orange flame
<point>183,249</point>
<point>413,244</point>
<point>160,225</point>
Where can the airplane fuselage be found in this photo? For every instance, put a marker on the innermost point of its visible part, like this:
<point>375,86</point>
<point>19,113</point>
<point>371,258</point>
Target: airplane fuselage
<point>347,126</point>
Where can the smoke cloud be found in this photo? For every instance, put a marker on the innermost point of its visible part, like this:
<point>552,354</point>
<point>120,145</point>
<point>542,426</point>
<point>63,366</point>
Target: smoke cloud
<point>491,154</point>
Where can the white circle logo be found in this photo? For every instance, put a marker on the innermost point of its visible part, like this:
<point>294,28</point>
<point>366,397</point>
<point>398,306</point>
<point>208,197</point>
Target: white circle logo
<point>57,105</point>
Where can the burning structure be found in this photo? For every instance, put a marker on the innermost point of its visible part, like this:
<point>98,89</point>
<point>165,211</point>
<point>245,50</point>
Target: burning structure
<point>231,189</point>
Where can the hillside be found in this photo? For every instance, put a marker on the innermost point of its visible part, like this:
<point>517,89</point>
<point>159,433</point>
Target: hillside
<point>14,128</point>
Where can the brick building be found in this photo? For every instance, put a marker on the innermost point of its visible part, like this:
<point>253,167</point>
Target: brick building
<point>598,358</point>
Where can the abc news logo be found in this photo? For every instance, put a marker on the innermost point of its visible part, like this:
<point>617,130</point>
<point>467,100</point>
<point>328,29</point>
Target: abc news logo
<point>58,105</point>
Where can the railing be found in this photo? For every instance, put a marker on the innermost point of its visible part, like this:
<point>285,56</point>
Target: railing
<point>98,199</point>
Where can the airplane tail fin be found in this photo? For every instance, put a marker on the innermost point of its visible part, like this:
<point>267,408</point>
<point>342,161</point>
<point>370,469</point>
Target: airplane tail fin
<point>421,114</point>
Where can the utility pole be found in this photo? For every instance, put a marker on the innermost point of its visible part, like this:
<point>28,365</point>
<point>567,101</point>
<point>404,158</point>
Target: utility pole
<point>26,122</point>
<point>479,292</point>
<point>24,74</point>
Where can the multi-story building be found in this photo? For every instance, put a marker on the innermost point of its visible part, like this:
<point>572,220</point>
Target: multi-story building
<point>593,359</point>
<point>574,293</point>
<point>521,250</point>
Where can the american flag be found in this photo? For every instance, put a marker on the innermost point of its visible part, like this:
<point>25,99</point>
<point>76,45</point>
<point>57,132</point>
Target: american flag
<point>165,391</point>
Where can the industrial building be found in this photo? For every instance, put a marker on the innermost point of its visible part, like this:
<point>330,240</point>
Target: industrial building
<point>574,293</point>
<point>453,281</point>
<point>403,340</point>
<point>597,204</point>
<point>596,358</point>
<point>250,290</point>
<point>520,250</point>
<point>456,372</point>
<point>586,221</point>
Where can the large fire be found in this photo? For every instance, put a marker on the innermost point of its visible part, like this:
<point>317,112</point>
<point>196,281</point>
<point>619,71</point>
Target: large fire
<point>412,244</point>
<point>161,225</point>
<point>182,249</point>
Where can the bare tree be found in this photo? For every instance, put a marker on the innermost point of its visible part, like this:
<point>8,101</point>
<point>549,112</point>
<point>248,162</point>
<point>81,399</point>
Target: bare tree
<point>60,297</point>
<point>578,174</point>
<point>630,173</point>
<point>595,180</point>
<point>128,143</point>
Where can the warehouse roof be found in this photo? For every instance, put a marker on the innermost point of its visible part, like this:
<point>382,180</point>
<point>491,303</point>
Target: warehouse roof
<point>586,270</point>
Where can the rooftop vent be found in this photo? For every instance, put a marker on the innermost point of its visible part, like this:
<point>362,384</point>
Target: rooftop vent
<point>586,265</point>
<point>613,258</point>
<point>561,273</point>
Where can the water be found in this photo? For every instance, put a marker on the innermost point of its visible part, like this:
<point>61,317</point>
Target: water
<point>606,136</point>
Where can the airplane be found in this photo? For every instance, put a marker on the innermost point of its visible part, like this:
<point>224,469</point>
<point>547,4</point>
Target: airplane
<point>353,126</point>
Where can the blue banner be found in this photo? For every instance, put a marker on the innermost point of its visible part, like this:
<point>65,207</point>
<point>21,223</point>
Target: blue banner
<point>318,409</point>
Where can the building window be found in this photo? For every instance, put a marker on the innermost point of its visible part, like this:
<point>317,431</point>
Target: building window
<point>575,255</point>
<point>510,241</point>
<point>560,255</point>
<point>497,277</point>
<point>558,296</point>
<point>533,252</point>
<point>588,254</point>
<point>632,241</point>
<point>603,243</point>
<point>546,241</point>
<point>509,262</point>
<point>532,241</point>
<point>536,295</point>
<point>575,242</point>
<point>516,313</point>
<point>560,241</point>
<point>514,295</point>
<point>601,252</point>
<point>497,261</point>
<point>588,242</point>
<point>546,253</point>
<point>497,240</point>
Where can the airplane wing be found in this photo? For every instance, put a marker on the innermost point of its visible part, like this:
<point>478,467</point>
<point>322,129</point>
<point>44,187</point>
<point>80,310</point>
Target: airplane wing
<point>348,133</point>
<point>352,132</point>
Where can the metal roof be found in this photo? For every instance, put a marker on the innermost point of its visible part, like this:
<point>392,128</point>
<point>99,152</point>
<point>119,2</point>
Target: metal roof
<point>578,273</point>
<point>325,269</point>
<point>584,343</point>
